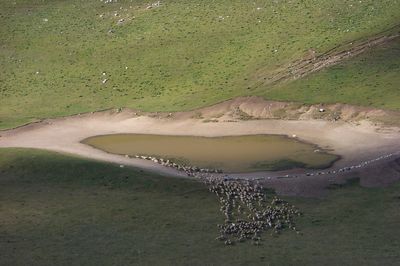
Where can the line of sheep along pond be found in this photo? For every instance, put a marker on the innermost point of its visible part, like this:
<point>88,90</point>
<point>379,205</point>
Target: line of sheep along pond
<point>195,171</point>
<point>189,170</point>
<point>340,170</point>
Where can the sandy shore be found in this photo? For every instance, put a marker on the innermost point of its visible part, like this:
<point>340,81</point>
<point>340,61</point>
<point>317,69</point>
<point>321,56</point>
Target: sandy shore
<point>354,143</point>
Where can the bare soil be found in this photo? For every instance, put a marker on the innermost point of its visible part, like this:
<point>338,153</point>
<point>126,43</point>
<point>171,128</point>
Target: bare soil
<point>354,137</point>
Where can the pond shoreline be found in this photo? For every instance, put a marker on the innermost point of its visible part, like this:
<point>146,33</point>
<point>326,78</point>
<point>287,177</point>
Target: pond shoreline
<point>230,154</point>
<point>355,143</point>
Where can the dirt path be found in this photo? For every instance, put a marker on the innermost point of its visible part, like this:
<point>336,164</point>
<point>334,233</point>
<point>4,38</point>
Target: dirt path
<point>355,143</point>
<point>314,62</point>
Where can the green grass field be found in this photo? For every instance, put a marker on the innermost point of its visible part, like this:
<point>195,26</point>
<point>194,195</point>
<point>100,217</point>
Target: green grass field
<point>371,79</point>
<point>62,57</point>
<point>182,55</point>
<point>59,210</point>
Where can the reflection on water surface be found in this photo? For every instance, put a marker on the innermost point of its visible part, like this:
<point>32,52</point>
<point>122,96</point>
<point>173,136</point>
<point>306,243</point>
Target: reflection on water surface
<point>229,153</point>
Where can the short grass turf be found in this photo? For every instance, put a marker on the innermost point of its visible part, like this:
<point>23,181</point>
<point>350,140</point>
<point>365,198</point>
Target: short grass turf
<point>370,79</point>
<point>59,210</point>
<point>179,56</point>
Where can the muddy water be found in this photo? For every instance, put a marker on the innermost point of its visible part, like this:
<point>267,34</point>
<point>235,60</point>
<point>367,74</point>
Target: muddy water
<point>229,153</point>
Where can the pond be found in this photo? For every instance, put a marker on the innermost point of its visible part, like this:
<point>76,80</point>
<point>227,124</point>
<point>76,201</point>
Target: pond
<point>230,153</point>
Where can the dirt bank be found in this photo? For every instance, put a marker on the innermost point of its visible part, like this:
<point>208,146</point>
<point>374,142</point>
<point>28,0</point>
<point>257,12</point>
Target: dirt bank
<point>251,108</point>
<point>354,140</point>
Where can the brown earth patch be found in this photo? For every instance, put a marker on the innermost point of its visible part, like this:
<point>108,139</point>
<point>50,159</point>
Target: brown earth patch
<point>353,137</point>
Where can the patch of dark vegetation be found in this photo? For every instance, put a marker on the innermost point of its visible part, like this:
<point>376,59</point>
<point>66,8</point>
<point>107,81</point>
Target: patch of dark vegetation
<point>351,182</point>
<point>279,165</point>
<point>242,115</point>
<point>288,164</point>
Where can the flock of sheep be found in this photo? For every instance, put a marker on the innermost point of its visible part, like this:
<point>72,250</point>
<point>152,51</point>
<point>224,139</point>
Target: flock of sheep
<point>244,203</point>
<point>247,211</point>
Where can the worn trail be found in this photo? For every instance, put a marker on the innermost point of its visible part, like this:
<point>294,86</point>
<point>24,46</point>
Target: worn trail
<point>314,62</point>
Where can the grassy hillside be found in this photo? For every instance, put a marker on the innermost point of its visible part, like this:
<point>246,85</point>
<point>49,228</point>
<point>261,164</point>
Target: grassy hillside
<point>179,56</point>
<point>371,79</point>
<point>58,210</point>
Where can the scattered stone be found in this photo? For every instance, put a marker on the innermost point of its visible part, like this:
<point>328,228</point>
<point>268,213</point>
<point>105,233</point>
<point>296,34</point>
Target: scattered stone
<point>154,5</point>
